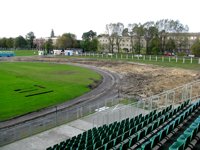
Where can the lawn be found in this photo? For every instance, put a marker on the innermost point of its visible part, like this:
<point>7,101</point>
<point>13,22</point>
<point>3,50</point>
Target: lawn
<point>25,52</point>
<point>27,87</point>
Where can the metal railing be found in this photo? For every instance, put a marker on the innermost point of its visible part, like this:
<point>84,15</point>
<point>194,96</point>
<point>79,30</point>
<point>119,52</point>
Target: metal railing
<point>174,97</point>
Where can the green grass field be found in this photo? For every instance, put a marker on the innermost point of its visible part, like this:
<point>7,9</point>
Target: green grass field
<point>25,52</point>
<point>27,87</point>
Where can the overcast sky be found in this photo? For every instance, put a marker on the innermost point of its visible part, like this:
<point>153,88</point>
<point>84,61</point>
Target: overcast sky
<point>18,17</point>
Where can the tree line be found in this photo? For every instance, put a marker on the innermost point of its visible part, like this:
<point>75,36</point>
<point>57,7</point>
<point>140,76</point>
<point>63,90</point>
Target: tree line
<point>156,35</point>
<point>160,36</point>
<point>19,42</point>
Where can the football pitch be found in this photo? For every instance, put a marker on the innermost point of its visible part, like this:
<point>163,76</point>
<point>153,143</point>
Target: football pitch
<point>27,87</point>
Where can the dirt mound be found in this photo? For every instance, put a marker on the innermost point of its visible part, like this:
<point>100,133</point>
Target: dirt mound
<point>139,80</point>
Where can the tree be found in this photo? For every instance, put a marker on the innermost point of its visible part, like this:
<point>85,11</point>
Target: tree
<point>118,41</point>
<point>10,43</point>
<point>196,48</point>
<point>20,42</point>
<point>114,31</point>
<point>103,47</point>
<point>138,31</point>
<point>52,33</point>
<point>30,37</point>
<point>150,31</point>
<point>170,45</point>
<point>154,46</point>
<point>67,40</point>
<point>165,27</point>
<point>125,32</point>
<point>89,35</point>
<point>49,45</point>
<point>131,34</point>
<point>89,42</point>
<point>40,43</point>
<point>3,43</point>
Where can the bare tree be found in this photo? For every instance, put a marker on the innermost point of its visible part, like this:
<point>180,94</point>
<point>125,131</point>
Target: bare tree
<point>114,32</point>
<point>131,34</point>
<point>165,27</point>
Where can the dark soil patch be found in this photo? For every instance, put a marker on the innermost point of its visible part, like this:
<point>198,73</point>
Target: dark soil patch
<point>39,93</point>
<point>94,84</point>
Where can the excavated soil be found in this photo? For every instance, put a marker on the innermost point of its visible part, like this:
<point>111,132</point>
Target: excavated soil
<point>140,81</point>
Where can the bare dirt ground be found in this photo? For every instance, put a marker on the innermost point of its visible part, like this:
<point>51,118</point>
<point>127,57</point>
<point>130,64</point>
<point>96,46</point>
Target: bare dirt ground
<point>140,81</point>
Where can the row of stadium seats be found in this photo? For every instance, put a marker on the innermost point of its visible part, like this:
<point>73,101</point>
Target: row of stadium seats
<point>140,132</point>
<point>169,129</point>
<point>149,131</point>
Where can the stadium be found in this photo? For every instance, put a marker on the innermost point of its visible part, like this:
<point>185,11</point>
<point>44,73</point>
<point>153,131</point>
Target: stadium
<point>108,116</point>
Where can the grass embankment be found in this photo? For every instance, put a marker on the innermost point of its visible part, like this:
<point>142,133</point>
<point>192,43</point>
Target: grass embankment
<point>27,87</point>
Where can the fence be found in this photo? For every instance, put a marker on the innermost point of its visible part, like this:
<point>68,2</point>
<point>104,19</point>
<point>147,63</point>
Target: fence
<point>172,97</point>
<point>116,112</point>
<point>152,58</point>
<point>54,118</point>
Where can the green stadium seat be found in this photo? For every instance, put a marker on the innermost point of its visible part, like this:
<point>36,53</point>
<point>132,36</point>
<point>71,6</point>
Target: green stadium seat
<point>140,115</point>
<point>161,120</point>
<point>189,131</point>
<point>155,139</point>
<point>155,125</point>
<point>146,116</point>
<point>154,117</point>
<point>185,139</point>
<point>177,146</point>
<point>133,140</point>
<point>142,119</point>
<point>141,134</point>
<point>118,140</point>
<point>105,140</point>
<point>177,121</point>
<point>150,120</point>
<point>132,120</point>
<point>114,135</point>
<point>137,122</point>
<point>110,144</point>
<point>163,133</point>
<point>146,145</point>
<point>133,131</point>
<point>126,128</point>
<point>131,125</point>
<point>97,144</point>
<point>139,126</point>
<point>159,114</point>
<point>148,129</point>
<point>82,146</point>
<point>171,127</point>
<point>124,145</point>
<point>125,135</point>
<point>89,147</point>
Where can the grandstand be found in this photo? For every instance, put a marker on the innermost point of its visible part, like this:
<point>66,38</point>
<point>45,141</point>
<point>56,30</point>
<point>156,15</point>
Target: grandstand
<point>173,128</point>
